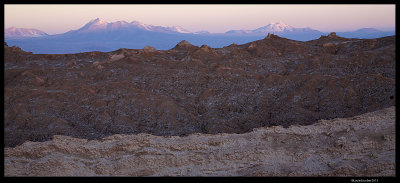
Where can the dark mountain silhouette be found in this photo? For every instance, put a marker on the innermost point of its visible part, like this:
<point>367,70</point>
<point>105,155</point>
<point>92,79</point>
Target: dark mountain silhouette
<point>366,33</point>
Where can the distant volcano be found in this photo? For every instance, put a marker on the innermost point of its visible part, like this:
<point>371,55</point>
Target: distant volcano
<point>98,24</point>
<point>100,35</point>
<point>276,28</point>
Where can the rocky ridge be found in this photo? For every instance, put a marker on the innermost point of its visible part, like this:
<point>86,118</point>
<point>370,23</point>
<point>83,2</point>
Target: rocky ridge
<point>191,89</point>
<point>362,145</point>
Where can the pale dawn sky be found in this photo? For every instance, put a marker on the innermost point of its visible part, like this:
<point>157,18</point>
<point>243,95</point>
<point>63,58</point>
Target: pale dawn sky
<point>59,18</point>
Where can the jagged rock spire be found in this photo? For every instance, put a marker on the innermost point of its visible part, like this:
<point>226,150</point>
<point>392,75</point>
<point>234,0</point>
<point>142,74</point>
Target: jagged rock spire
<point>271,36</point>
<point>149,49</point>
<point>184,44</point>
<point>332,35</point>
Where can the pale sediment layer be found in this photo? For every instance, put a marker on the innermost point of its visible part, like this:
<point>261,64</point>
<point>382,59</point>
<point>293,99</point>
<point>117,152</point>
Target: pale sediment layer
<point>363,145</point>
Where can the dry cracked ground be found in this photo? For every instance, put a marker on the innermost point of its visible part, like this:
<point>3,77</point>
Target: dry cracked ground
<point>169,108</point>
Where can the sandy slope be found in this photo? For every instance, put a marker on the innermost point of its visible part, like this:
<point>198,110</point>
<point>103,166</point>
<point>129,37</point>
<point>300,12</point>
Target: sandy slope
<point>358,146</point>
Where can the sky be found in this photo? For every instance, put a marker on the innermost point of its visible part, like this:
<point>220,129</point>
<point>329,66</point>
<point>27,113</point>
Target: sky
<point>59,18</point>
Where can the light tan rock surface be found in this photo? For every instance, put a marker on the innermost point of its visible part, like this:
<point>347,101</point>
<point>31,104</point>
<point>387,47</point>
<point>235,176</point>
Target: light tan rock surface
<point>358,146</point>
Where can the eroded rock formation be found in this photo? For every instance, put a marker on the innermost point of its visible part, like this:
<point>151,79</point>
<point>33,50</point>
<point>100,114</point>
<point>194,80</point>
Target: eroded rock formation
<point>191,89</point>
<point>358,146</point>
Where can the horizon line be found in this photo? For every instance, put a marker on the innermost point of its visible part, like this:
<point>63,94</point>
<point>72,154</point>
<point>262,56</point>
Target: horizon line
<point>272,22</point>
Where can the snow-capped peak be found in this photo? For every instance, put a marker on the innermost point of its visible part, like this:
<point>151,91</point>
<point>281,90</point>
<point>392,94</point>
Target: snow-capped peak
<point>99,24</point>
<point>141,25</point>
<point>179,29</point>
<point>94,24</point>
<point>279,23</point>
<point>97,21</point>
<point>14,32</point>
<point>276,27</point>
<point>120,22</point>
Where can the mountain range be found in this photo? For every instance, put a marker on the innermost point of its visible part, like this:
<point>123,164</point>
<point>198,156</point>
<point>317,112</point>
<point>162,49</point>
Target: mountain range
<point>15,33</point>
<point>98,25</point>
<point>100,35</point>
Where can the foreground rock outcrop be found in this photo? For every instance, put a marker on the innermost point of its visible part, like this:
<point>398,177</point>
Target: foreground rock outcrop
<point>191,89</point>
<point>358,146</point>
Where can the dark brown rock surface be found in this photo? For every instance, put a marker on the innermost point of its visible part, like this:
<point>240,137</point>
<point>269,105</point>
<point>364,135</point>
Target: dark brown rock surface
<point>189,89</point>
